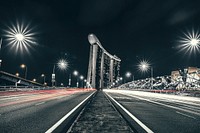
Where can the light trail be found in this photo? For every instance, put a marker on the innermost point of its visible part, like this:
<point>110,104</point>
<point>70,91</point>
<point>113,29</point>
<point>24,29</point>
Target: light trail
<point>42,95</point>
<point>155,98</point>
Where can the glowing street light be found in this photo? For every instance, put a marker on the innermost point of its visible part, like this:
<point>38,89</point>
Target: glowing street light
<point>128,74</point>
<point>42,75</point>
<point>20,37</point>
<point>194,42</point>
<point>75,73</point>
<point>190,42</point>
<point>144,66</point>
<point>62,64</point>
<point>81,78</point>
<point>85,81</point>
<point>23,66</point>
<point>17,74</point>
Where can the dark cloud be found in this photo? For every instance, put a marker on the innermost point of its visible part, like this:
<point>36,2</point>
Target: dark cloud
<point>101,12</point>
<point>180,16</point>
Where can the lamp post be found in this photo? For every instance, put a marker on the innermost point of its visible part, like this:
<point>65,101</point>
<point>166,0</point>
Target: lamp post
<point>53,76</point>
<point>62,64</point>
<point>81,78</point>
<point>190,42</point>
<point>85,81</point>
<point>70,80</point>
<point>17,74</point>
<point>20,37</point>
<point>24,67</point>
<point>42,75</point>
<point>144,66</point>
<point>0,52</point>
<point>128,74</point>
<point>0,63</point>
<point>75,73</point>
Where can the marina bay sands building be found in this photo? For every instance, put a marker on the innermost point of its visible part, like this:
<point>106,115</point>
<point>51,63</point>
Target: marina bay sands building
<point>103,68</point>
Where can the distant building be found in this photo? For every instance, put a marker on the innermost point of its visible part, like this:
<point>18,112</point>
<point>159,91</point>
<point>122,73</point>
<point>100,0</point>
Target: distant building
<point>192,78</point>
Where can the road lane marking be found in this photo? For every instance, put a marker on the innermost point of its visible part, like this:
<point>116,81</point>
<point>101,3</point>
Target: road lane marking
<point>60,97</point>
<point>169,106</point>
<point>185,115</point>
<point>39,103</point>
<point>50,130</point>
<point>148,130</point>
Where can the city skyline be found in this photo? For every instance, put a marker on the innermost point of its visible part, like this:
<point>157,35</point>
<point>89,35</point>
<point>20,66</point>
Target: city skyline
<point>132,30</point>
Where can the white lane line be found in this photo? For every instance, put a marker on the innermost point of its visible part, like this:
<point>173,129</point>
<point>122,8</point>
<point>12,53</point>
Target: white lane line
<point>14,97</point>
<point>50,130</point>
<point>185,115</point>
<point>8,98</point>
<point>169,106</point>
<point>60,97</point>
<point>39,103</point>
<point>148,130</point>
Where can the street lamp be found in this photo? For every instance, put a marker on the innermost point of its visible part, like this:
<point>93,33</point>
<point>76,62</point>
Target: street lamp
<point>42,75</point>
<point>17,74</point>
<point>62,64</point>
<point>144,66</point>
<point>81,78</point>
<point>0,52</point>
<point>128,75</point>
<point>0,63</point>
<point>34,80</point>
<point>190,42</point>
<point>20,37</point>
<point>75,73</point>
<point>85,81</point>
<point>70,80</point>
<point>23,66</point>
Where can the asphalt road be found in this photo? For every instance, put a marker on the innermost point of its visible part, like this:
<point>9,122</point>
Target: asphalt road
<point>36,112</point>
<point>160,112</point>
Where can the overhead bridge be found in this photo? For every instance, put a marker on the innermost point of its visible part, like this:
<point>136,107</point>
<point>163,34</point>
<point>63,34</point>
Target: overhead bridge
<point>17,80</point>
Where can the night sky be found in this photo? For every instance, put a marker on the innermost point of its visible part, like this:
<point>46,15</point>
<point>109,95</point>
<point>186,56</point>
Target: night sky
<point>133,30</point>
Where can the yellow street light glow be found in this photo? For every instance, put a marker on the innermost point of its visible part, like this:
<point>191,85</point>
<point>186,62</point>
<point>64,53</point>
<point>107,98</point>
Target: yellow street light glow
<point>17,74</point>
<point>23,66</point>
